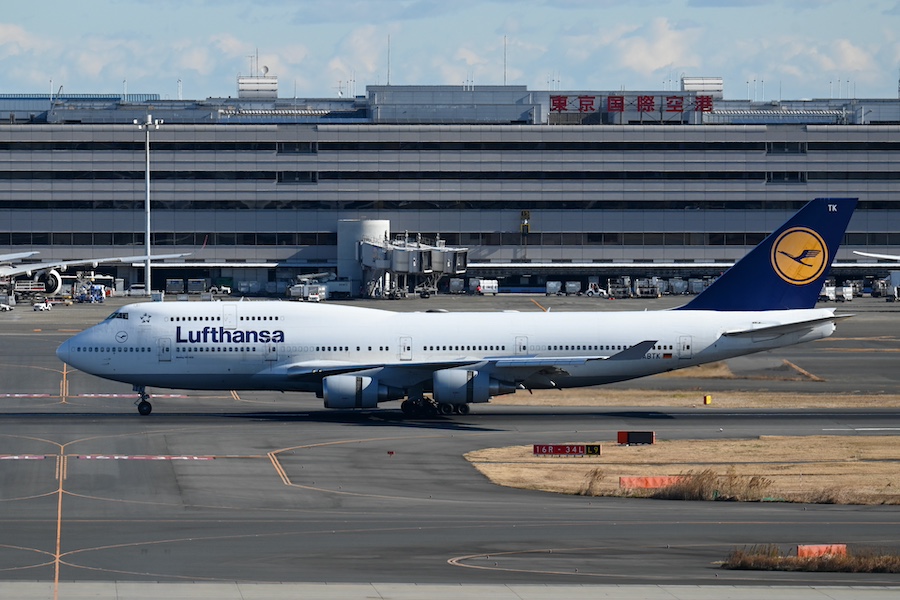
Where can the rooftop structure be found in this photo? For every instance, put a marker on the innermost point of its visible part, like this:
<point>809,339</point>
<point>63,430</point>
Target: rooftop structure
<point>535,184</point>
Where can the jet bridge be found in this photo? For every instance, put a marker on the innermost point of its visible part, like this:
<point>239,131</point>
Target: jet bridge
<point>394,267</point>
<point>382,267</point>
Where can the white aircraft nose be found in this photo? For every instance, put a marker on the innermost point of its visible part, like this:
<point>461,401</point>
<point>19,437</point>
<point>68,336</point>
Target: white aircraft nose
<point>63,351</point>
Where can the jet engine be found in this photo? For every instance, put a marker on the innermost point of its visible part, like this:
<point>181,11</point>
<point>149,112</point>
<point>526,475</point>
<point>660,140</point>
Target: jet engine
<point>356,391</point>
<point>52,281</point>
<point>461,386</point>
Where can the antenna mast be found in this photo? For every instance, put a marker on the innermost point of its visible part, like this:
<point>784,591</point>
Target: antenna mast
<point>504,60</point>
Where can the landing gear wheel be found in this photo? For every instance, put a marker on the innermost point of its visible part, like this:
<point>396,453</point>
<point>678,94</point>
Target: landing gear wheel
<point>462,409</point>
<point>422,408</point>
<point>445,409</point>
<point>144,408</point>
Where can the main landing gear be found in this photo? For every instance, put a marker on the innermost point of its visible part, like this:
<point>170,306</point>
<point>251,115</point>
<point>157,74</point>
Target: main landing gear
<point>143,405</point>
<point>427,407</point>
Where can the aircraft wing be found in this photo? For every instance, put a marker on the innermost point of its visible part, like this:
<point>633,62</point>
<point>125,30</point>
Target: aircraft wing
<point>783,328</point>
<point>520,367</point>
<point>4,258</point>
<point>28,269</point>
<point>884,256</point>
<point>634,352</point>
<point>315,370</point>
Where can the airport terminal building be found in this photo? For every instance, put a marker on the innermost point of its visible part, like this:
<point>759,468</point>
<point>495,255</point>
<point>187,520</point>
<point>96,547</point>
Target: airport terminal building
<point>536,184</point>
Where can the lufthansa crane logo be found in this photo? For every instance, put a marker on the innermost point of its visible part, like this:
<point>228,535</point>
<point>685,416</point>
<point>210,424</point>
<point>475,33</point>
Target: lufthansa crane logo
<point>799,255</point>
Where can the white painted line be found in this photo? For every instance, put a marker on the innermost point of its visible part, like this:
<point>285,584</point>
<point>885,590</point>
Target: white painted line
<point>139,457</point>
<point>863,429</point>
<point>22,457</point>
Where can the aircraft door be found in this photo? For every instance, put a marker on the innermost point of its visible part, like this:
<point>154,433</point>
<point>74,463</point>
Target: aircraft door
<point>405,348</point>
<point>521,344</point>
<point>229,315</point>
<point>164,345</point>
<point>271,351</point>
<point>684,346</point>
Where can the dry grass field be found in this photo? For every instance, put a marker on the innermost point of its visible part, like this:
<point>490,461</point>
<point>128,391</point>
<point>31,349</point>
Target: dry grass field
<point>825,469</point>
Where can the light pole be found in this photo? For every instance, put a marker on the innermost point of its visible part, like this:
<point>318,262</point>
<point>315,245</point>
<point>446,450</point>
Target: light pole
<point>146,126</point>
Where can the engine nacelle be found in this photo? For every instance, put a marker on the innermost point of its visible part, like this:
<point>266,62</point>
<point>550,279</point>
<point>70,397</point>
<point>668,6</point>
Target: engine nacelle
<point>356,391</point>
<point>461,386</point>
<point>52,281</point>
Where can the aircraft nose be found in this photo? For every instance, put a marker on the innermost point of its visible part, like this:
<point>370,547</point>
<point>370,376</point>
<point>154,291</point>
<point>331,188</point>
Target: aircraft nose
<point>63,351</point>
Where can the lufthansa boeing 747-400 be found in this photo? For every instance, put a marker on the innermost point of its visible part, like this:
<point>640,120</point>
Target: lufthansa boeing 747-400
<point>443,362</point>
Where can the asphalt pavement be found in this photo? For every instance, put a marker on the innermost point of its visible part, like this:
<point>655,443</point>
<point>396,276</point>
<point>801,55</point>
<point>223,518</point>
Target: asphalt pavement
<point>259,494</point>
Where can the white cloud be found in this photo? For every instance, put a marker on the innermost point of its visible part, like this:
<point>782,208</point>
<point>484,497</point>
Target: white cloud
<point>656,47</point>
<point>195,59</point>
<point>232,46</point>
<point>849,57</point>
<point>583,44</point>
<point>15,41</point>
<point>366,47</point>
<point>470,57</point>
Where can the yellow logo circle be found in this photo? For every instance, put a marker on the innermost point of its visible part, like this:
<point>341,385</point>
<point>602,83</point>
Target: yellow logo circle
<point>799,255</point>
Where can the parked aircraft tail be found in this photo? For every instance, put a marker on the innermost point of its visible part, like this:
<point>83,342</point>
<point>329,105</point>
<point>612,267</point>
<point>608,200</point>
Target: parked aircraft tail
<point>787,270</point>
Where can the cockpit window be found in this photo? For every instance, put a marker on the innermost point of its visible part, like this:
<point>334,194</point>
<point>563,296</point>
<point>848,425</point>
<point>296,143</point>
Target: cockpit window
<point>117,315</point>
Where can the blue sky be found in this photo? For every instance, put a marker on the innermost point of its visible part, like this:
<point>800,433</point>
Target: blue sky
<point>788,49</point>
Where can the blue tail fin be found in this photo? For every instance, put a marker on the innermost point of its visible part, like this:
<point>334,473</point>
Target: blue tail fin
<point>787,270</point>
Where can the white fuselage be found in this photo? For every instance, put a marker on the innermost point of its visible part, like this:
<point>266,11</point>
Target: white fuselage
<point>283,345</point>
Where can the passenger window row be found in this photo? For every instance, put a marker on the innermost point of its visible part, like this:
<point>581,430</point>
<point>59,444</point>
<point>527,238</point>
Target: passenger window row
<point>462,348</point>
<point>296,349</point>
<point>186,319</point>
<point>219,318</point>
<point>198,349</point>
<point>113,349</point>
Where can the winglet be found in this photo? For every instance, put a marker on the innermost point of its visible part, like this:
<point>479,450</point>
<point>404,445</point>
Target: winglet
<point>787,270</point>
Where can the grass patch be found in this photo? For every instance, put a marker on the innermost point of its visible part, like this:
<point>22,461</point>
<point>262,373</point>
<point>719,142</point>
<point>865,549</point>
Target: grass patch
<point>768,557</point>
<point>810,469</point>
<point>709,485</point>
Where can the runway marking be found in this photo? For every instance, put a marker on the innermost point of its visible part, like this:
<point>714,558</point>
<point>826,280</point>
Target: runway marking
<point>22,457</point>
<point>128,396</point>
<point>802,371</point>
<point>140,457</point>
<point>862,429</point>
<point>286,479</point>
<point>62,461</point>
<point>857,350</point>
<point>64,384</point>
<point>26,396</point>
<point>279,468</point>
<point>595,553</point>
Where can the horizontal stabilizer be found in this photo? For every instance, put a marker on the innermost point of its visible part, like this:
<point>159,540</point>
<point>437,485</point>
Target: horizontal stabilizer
<point>881,256</point>
<point>784,328</point>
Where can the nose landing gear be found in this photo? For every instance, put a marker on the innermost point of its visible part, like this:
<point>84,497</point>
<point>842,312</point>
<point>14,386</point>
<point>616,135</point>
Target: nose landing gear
<point>143,405</point>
